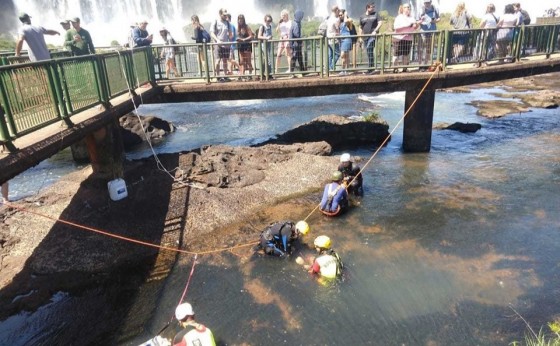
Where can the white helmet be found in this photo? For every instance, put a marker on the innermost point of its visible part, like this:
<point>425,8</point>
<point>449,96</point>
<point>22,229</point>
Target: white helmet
<point>183,310</point>
<point>345,157</point>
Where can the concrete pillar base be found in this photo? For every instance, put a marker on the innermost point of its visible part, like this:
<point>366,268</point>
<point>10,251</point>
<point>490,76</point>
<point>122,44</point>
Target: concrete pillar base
<point>106,153</point>
<point>80,152</point>
<point>417,133</point>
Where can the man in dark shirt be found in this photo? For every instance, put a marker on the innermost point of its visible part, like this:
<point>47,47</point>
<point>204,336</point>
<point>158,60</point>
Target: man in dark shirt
<point>369,25</point>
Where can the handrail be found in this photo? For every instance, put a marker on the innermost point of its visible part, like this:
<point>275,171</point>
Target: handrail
<point>36,94</point>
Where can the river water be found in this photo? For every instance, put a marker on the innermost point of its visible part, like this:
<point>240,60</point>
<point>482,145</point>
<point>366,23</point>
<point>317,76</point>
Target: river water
<point>443,249</point>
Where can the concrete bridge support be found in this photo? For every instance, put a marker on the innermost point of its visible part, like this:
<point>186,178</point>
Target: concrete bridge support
<point>106,151</point>
<point>417,133</point>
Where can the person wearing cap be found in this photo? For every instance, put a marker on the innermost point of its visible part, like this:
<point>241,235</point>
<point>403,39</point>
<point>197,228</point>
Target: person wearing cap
<point>335,196</point>
<point>140,35</point>
<point>78,40</point>
<point>327,264</point>
<point>193,333</point>
<point>351,175</point>
<point>65,24</point>
<point>35,39</point>
<point>277,239</point>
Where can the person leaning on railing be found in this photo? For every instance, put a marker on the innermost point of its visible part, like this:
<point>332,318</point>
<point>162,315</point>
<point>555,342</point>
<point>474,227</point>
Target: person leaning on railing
<point>35,39</point>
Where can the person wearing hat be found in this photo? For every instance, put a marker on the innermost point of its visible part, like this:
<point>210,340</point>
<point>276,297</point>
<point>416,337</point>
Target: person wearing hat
<point>327,264</point>
<point>65,24</point>
<point>351,175</point>
<point>277,239</point>
<point>140,35</point>
<point>193,333</point>
<point>78,40</point>
<point>35,39</point>
<point>335,196</point>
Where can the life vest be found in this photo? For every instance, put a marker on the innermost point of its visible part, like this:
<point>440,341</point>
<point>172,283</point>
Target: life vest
<point>330,265</point>
<point>195,334</point>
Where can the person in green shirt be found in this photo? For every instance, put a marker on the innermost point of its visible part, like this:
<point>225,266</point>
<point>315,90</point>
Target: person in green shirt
<point>78,40</point>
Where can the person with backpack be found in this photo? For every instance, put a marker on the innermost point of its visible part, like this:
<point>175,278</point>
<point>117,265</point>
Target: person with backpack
<point>264,34</point>
<point>295,35</point>
<point>221,33</point>
<point>335,196</point>
<point>369,27</point>
<point>200,36</point>
<point>524,17</point>
<point>168,53</point>
<point>327,264</point>
<point>278,238</point>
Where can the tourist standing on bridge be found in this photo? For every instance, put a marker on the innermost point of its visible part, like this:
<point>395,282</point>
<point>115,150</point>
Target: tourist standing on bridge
<point>460,20</point>
<point>369,27</point>
<point>232,63</point>
<point>345,42</point>
<point>284,47</point>
<point>404,25</point>
<point>486,41</point>
<point>295,35</point>
<point>244,37</point>
<point>221,34</point>
<point>65,25</point>
<point>428,17</point>
<point>333,31</point>
<point>193,333</point>
<point>168,53</point>
<point>264,34</point>
<point>504,37</point>
<point>78,40</point>
<point>199,34</point>
<point>140,35</point>
<point>35,39</point>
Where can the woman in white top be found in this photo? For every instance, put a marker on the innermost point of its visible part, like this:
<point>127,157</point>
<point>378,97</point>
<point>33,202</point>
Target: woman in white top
<point>507,25</point>
<point>403,25</point>
<point>284,46</point>
<point>486,41</point>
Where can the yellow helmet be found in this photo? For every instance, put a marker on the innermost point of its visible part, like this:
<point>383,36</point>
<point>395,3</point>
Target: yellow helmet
<point>302,227</point>
<point>322,242</point>
<point>336,176</point>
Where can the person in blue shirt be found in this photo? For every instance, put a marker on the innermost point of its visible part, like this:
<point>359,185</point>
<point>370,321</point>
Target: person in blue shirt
<point>140,35</point>
<point>335,196</point>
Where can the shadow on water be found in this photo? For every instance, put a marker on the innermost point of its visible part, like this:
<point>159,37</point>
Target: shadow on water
<point>89,302</point>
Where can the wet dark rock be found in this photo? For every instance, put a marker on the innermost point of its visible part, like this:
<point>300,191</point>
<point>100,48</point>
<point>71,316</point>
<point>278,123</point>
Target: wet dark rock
<point>459,126</point>
<point>338,131</point>
<point>133,133</point>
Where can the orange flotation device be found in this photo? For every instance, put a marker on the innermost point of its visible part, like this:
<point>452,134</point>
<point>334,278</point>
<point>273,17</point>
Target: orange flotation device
<point>334,213</point>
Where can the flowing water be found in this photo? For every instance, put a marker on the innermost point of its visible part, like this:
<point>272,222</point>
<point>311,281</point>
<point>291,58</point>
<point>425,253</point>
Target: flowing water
<point>441,250</point>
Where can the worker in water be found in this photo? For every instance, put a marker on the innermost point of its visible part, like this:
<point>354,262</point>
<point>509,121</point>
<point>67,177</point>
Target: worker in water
<point>277,239</point>
<point>351,175</point>
<point>327,263</point>
<point>193,333</point>
<point>335,196</point>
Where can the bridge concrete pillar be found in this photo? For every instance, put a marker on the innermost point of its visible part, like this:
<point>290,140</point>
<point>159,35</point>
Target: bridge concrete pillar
<point>80,152</point>
<point>106,151</point>
<point>417,133</point>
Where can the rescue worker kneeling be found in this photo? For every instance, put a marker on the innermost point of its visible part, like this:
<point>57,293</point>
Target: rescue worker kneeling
<point>328,263</point>
<point>335,196</point>
<point>193,334</point>
<point>277,239</point>
<point>351,175</point>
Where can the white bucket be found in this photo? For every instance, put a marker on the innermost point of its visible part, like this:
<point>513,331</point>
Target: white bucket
<point>117,189</point>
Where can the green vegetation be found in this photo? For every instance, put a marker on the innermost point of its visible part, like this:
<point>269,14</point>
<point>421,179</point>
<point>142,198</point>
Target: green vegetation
<point>7,43</point>
<point>541,339</point>
<point>372,117</point>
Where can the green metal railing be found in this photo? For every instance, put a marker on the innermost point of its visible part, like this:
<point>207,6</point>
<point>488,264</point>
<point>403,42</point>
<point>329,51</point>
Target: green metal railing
<point>34,95</point>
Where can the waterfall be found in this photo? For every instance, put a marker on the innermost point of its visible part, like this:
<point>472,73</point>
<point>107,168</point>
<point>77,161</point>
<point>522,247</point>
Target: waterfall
<point>322,8</point>
<point>109,20</point>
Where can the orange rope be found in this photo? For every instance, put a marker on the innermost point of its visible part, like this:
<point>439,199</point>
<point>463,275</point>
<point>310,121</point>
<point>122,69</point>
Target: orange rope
<point>131,240</point>
<point>388,136</point>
